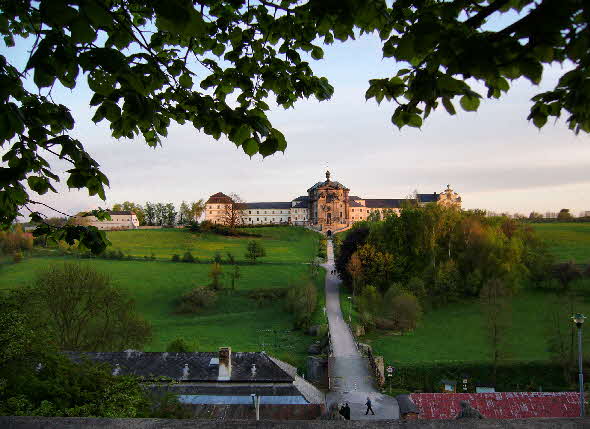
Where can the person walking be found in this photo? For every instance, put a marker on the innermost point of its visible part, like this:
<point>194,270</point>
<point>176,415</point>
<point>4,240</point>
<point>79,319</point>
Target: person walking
<point>468,412</point>
<point>369,408</point>
<point>346,410</point>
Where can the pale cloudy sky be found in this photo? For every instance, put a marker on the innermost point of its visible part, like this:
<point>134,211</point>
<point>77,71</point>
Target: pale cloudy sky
<point>494,158</point>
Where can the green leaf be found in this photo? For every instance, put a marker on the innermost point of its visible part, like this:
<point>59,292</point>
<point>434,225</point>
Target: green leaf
<point>317,53</point>
<point>240,134</point>
<point>469,103</point>
<point>415,121</point>
<point>539,120</point>
<point>82,32</point>
<point>250,147</point>
<point>449,106</point>
<point>186,81</point>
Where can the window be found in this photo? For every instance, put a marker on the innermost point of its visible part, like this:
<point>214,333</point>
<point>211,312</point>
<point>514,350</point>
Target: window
<point>217,206</point>
<point>257,212</point>
<point>249,211</point>
<point>257,219</point>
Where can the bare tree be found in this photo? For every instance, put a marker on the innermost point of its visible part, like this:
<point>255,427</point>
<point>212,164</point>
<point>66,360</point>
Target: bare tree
<point>496,308</point>
<point>233,214</point>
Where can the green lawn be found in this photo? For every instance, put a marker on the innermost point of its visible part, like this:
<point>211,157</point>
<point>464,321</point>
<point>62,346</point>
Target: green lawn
<point>285,244</point>
<point>235,320</point>
<point>567,241</point>
<point>456,332</point>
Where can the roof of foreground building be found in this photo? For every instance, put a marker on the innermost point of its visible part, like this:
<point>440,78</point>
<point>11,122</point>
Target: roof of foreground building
<point>219,198</point>
<point>195,366</point>
<point>500,405</point>
<point>269,205</point>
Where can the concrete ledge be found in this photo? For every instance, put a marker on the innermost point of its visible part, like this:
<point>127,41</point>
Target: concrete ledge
<point>100,423</point>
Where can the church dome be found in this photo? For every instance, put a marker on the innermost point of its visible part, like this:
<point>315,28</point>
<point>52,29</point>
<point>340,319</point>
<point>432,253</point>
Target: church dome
<point>327,184</point>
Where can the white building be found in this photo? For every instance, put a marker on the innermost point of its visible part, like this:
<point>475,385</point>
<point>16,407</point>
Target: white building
<point>119,220</point>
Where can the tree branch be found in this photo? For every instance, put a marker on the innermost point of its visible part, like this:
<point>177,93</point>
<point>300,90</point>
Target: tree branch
<point>477,20</point>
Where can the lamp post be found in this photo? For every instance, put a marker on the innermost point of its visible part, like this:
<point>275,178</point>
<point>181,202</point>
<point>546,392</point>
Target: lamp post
<point>349,309</point>
<point>578,319</point>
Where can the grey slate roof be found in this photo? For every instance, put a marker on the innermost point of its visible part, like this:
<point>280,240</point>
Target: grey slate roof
<point>121,212</point>
<point>354,197</point>
<point>354,204</point>
<point>406,405</point>
<point>384,203</point>
<point>269,205</point>
<point>428,198</point>
<point>152,365</point>
<point>301,204</point>
<point>302,198</point>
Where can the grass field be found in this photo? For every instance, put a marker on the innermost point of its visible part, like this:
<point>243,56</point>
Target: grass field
<point>286,244</point>
<point>235,320</point>
<point>456,332</point>
<point>567,241</point>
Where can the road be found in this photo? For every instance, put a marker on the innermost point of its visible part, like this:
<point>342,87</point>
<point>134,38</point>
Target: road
<point>350,378</point>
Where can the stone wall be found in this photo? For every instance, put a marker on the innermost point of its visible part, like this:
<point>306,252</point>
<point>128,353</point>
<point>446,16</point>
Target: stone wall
<point>93,423</point>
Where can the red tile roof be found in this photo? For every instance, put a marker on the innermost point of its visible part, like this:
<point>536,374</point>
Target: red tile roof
<point>500,405</point>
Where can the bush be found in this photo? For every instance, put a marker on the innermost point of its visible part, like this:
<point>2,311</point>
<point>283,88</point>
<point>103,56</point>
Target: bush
<point>301,302</point>
<point>175,258</point>
<point>406,311</point>
<point>188,257</point>
<point>196,300</point>
<point>217,258</point>
<point>255,251</point>
<point>179,345</point>
<point>266,296</point>
<point>18,256</point>
<point>59,300</point>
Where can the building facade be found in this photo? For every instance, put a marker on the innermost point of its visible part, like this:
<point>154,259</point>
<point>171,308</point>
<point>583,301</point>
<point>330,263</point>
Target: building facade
<point>119,220</point>
<point>327,207</point>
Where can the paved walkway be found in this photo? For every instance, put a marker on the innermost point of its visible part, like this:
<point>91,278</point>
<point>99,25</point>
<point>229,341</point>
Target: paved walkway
<point>350,378</point>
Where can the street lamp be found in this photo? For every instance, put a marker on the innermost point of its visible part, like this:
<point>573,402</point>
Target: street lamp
<point>578,319</point>
<point>349,309</point>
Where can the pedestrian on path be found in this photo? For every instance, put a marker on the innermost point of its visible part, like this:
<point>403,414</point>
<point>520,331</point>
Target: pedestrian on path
<point>346,410</point>
<point>369,408</point>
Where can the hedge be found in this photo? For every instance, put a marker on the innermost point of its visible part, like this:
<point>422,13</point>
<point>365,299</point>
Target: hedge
<point>511,377</point>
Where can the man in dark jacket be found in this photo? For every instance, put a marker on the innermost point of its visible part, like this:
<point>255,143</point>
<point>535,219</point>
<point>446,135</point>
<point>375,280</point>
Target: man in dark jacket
<point>369,408</point>
<point>346,410</point>
<point>468,412</point>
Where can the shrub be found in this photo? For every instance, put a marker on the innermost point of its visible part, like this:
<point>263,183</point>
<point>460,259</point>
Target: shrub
<point>153,256</point>
<point>217,258</point>
<point>18,256</point>
<point>175,258</point>
<point>216,274</point>
<point>406,311</point>
<point>301,302</point>
<point>188,257</point>
<point>60,297</point>
<point>196,300</point>
<point>255,251</point>
<point>179,345</point>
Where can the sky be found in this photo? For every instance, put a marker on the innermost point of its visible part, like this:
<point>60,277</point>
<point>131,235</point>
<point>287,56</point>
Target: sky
<point>494,158</point>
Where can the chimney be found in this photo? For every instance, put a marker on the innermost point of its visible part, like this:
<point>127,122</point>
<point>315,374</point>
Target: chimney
<point>224,364</point>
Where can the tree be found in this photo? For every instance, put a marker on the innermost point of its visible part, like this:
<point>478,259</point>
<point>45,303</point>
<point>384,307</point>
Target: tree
<point>216,274</point>
<point>405,311</point>
<point>355,270</point>
<point>233,214</point>
<point>564,215</point>
<point>169,214</point>
<point>197,209</point>
<point>234,276</point>
<point>160,214</point>
<point>150,214</point>
<point>496,308</point>
<point>535,216</point>
<point>184,213</point>
<point>149,64</point>
<point>80,309</point>
<point>255,251</point>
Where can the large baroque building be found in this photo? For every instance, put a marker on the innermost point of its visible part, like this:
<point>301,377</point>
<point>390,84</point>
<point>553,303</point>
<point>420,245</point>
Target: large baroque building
<point>327,207</point>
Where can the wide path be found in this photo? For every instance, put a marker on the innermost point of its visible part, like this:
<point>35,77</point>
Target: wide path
<point>350,378</point>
